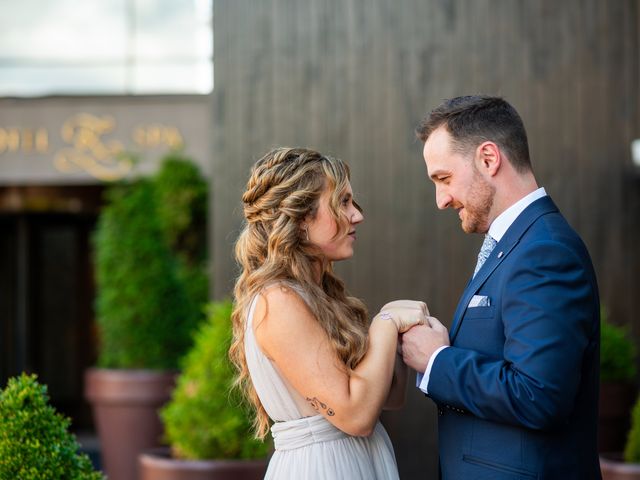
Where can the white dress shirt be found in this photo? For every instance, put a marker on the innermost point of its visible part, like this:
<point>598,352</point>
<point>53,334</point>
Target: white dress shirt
<point>497,229</point>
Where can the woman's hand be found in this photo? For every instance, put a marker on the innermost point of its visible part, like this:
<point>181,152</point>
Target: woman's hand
<point>417,304</point>
<point>404,314</point>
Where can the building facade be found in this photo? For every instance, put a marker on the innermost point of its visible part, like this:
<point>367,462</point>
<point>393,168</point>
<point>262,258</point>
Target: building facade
<point>57,154</point>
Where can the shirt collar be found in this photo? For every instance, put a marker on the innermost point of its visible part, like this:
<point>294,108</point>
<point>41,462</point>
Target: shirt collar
<point>503,221</point>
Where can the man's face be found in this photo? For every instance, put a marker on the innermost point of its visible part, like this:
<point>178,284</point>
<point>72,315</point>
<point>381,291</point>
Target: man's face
<point>458,182</point>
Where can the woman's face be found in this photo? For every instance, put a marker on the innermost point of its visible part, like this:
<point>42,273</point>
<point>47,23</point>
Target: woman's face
<point>323,229</point>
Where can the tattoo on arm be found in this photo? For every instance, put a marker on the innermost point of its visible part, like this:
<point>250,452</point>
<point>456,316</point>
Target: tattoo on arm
<point>318,406</point>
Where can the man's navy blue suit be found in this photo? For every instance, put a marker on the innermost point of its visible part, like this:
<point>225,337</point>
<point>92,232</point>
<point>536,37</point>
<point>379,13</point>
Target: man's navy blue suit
<point>517,391</point>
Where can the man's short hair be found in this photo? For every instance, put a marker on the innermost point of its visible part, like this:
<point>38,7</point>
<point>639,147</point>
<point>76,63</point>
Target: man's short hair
<point>473,119</point>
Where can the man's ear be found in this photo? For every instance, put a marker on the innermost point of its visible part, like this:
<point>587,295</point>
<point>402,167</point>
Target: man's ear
<point>488,158</point>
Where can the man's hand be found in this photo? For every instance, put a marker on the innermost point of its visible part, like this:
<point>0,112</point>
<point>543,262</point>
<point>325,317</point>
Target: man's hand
<point>421,341</point>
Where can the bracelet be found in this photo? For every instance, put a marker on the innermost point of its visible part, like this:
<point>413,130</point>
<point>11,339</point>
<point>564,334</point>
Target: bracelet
<point>387,317</point>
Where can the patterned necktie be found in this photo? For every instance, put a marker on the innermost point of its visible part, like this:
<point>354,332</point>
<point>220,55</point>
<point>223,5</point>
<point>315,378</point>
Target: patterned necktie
<point>487,247</point>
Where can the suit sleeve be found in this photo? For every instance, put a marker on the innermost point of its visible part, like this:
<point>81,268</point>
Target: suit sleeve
<point>548,317</point>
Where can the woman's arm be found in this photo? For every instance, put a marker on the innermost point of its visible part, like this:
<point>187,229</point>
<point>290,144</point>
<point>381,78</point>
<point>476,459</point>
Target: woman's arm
<point>290,336</point>
<point>397,392</point>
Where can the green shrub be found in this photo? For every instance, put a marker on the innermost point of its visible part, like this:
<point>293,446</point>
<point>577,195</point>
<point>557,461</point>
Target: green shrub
<point>632,449</point>
<point>34,440</point>
<point>142,309</point>
<point>617,353</point>
<point>181,193</point>
<point>206,418</point>
<point>182,206</point>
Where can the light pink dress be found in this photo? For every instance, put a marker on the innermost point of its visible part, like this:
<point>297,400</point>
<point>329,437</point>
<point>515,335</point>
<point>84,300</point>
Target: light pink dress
<point>310,447</point>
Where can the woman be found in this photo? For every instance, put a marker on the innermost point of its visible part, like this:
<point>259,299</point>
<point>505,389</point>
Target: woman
<point>307,357</point>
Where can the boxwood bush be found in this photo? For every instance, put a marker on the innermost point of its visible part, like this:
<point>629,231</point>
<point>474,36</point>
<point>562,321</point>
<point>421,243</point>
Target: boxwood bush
<point>617,353</point>
<point>632,449</point>
<point>35,443</point>
<point>206,418</point>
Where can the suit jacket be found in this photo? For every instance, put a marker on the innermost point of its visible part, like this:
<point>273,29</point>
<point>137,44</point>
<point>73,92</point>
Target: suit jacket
<point>517,391</point>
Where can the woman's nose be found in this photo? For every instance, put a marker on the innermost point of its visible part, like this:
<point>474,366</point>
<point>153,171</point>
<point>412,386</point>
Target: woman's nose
<point>357,216</point>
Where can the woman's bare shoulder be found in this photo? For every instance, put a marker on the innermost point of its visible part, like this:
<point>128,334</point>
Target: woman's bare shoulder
<point>281,309</point>
<point>281,295</point>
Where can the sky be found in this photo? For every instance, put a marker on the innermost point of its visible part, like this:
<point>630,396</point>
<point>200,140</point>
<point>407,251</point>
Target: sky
<point>105,47</point>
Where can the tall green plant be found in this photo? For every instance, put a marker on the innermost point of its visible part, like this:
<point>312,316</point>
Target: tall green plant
<point>181,193</point>
<point>35,443</point>
<point>206,418</point>
<point>617,352</point>
<point>182,206</point>
<point>143,312</point>
<point>632,449</point>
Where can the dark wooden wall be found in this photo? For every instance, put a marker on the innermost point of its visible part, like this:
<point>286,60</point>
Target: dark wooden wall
<point>352,79</point>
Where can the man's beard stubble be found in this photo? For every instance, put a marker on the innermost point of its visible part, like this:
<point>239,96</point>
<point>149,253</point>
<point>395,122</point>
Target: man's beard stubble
<point>481,194</point>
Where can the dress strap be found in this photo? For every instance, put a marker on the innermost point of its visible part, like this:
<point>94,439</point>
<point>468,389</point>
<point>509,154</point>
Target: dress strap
<point>252,307</point>
<point>305,431</point>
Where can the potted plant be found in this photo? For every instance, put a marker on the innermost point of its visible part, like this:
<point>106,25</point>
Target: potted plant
<point>628,467</point>
<point>617,389</point>
<point>206,423</point>
<point>34,439</point>
<point>144,319</point>
<point>181,196</point>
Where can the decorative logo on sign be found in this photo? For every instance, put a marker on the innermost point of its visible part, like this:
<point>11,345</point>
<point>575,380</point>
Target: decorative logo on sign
<point>89,151</point>
<point>88,146</point>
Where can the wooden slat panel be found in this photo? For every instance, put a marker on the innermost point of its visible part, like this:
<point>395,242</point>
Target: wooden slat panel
<point>352,79</point>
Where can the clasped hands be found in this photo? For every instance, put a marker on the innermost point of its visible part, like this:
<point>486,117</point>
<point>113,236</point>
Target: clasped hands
<point>417,344</point>
<point>405,314</point>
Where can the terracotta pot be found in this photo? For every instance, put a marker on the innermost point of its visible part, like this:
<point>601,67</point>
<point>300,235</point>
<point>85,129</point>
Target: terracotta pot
<point>613,468</point>
<point>125,409</point>
<point>616,402</point>
<point>157,464</point>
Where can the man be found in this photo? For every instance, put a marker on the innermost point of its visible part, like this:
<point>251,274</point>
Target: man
<point>516,378</point>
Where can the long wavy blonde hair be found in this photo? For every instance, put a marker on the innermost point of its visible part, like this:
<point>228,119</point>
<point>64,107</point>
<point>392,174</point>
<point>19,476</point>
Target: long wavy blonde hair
<point>283,189</point>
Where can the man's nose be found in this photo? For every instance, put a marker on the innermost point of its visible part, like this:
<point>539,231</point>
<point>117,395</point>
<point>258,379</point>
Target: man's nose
<point>443,199</point>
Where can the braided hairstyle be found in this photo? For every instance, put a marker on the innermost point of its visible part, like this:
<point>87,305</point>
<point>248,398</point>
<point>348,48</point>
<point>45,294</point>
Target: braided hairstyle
<point>283,190</point>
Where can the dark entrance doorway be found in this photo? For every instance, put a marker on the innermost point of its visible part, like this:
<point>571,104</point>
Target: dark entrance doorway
<point>47,290</point>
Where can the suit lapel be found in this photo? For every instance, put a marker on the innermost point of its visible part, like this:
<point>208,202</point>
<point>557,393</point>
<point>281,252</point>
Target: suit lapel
<point>510,239</point>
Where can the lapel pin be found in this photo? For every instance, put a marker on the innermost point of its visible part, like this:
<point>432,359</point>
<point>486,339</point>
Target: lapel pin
<point>500,254</point>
